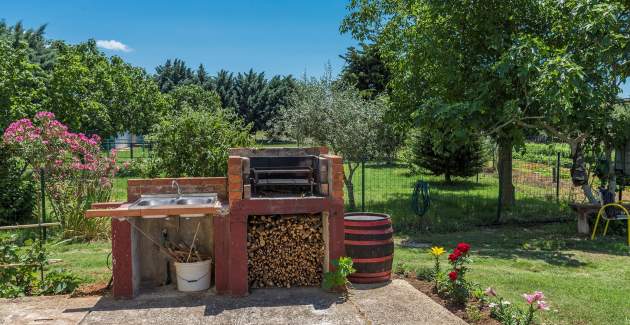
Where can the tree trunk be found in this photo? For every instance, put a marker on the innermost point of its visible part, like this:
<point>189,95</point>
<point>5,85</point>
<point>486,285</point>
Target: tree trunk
<point>578,164</point>
<point>612,177</point>
<point>347,179</point>
<point>447,177</point>
<point>505,172</point>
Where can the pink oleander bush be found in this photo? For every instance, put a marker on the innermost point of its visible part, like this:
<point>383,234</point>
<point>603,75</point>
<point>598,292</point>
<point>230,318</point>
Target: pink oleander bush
<point>76,173</point>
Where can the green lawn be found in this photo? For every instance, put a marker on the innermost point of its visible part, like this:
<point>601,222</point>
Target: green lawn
<point>586,282</point>
<point>88,260</point>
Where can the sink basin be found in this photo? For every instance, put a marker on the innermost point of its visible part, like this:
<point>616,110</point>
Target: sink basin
<point>194,200</point>
<point>173,200</point>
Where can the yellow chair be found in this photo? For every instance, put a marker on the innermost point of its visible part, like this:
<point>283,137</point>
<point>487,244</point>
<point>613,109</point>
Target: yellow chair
<point>618,216</point>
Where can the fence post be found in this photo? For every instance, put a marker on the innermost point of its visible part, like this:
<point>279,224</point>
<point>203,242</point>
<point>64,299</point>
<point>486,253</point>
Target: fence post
<point>42,216</point>
<point>363,186</point>
<point>498,219</point>
<point>558,177</point>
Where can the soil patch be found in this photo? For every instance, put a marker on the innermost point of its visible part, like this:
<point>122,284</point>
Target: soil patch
<point>459,311</point>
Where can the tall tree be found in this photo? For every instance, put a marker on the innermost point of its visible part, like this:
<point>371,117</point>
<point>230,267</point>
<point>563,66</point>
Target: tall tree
<point>224,85</point>
<point>501,66</point>
<point>172,74</point>
<point>40,51</point>
<point>365,70</point>
<point>195,98</point>
<point>251,95</point>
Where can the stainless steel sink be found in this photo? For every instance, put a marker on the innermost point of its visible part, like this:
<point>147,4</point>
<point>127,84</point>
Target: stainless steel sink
<point>173,200</point>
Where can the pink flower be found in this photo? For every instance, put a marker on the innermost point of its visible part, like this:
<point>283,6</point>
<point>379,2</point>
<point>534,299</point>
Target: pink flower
<point>542,305</point>
<point>536,296</point>
<point>42,115</point>
<point>528,298</point>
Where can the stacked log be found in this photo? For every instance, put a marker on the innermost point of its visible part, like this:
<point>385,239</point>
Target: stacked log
<point>285,251</point>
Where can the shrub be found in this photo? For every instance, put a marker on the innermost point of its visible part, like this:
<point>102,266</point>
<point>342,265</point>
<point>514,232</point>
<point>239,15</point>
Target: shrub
<point>16,190</point>
<point>76,174</point>
<point>58,282</point>
<point>338,279</point>
<point>458,289</point>
<point>22,279</point>
<point>196,143</point>
<point>444,158</point>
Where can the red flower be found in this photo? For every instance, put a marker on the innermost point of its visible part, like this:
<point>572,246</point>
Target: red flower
<point>455,255</point>
<point>463,247</point>
<point>453,275</point>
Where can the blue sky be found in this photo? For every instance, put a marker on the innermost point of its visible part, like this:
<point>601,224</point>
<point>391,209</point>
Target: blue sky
<point>275,36</point>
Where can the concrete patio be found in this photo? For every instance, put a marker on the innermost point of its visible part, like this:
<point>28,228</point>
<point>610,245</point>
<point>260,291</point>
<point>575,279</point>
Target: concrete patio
<point>395,303</point>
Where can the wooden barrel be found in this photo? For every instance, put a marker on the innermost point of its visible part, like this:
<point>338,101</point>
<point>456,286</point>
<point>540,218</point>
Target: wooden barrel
<point>369,242</point>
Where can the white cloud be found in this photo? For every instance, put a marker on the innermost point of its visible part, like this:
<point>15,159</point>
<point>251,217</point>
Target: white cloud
<point>113,45</point>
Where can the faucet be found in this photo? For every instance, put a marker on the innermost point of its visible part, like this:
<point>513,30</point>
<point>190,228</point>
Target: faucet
<point>174,184</point>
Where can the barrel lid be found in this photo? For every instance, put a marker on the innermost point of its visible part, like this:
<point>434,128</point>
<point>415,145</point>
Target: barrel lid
<point>365,217</point>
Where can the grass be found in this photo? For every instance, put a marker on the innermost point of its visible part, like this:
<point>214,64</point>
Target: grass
<point>586,282</point>
<point>88,260</point>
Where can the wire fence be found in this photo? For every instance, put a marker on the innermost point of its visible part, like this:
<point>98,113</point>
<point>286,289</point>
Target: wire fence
<point>540,176</point>
<point>128,150</point>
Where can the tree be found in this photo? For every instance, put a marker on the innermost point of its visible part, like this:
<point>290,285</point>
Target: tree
<point>195,143</point>
<point>97,95</point>
<point>442,158</point>
<point>193,97</point>
<point>365,70</point>
<point>224,85</point>
<point>172,74</point>
<point>40,51</point>
<point>251,98</point>
<point>339,117</point>
<point>21,95</point>
<point>501,66</point>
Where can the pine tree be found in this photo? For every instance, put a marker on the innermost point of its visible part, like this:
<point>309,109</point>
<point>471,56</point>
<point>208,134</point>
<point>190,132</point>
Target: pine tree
<point>443,158</point>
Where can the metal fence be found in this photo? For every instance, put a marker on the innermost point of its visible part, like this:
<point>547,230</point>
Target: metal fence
<point>542,191</point>
<point>127,150</point>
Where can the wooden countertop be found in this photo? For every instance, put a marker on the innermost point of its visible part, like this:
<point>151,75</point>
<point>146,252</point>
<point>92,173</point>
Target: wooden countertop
<point>121,210</point>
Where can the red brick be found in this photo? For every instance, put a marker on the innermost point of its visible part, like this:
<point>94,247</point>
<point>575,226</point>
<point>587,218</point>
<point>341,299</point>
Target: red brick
<point>235,196</point>
<point>235,187</point>
<point>235,179</point>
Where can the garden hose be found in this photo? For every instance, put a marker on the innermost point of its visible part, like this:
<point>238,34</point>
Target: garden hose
<point>420,198</point>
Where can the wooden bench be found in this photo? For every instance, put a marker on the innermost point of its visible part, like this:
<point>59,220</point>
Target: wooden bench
<point>586,210</point>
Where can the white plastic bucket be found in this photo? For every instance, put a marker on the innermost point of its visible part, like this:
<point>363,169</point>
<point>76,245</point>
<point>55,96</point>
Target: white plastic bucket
<point>193,276</point>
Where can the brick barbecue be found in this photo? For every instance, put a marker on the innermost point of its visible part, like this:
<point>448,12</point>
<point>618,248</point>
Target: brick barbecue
<point>260,182</point>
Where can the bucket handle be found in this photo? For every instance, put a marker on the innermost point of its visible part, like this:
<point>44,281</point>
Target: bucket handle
<point>193,281</point>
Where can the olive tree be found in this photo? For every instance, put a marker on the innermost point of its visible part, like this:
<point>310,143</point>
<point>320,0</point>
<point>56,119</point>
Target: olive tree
<point>336,115</point>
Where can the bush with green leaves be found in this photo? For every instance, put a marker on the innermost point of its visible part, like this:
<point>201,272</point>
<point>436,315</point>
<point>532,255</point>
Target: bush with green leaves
<point>20,275</point>
<point>338,279</point>
<point>440,156</point>
<point>196,143</point>
<point>17,190</point>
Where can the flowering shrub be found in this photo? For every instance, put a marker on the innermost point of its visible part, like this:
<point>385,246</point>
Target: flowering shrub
<point>76,174</point>
<point>457,288</point>
<point>509,314</point>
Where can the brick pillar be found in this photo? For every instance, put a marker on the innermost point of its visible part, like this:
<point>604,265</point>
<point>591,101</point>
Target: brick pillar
<point>335,220</point>
<point>221,227</point>
<point>235,179</point>
<point>122,259</point>
<point>238,254</point>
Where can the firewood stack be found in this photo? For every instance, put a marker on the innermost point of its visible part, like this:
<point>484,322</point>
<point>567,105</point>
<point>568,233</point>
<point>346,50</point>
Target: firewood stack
<point>285,251</point>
